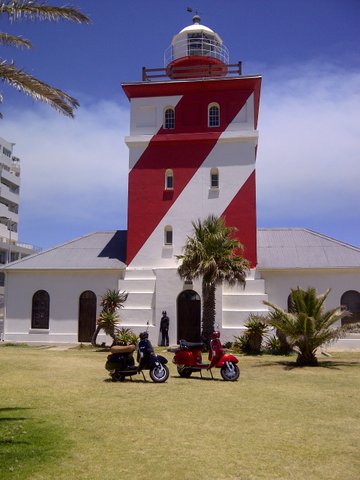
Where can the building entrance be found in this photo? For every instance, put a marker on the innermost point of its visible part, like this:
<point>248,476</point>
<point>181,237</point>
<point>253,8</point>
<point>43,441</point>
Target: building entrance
<point>188,316</point>
<point>87,316</point>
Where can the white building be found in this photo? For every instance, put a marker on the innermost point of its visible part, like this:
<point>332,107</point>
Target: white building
<point>54,296</point>
<point>192,152</point>
<point>10,248</point>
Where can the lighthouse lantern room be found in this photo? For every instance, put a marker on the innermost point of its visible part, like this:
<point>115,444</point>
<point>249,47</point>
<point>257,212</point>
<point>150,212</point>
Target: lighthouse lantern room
<point>192,151</point>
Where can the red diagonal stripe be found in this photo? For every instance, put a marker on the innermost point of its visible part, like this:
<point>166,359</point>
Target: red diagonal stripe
<point>184,150</point>
<point>241,213</point>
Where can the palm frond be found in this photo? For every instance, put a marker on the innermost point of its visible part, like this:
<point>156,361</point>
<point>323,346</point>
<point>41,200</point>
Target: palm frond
<point>18,9</point>
<point>211,254</point>
<point>14,41</point>
<point>37,89</point>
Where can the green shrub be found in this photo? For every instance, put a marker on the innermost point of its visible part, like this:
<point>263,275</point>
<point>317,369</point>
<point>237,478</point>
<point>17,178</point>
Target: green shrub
<point>256,329</point>
<point>273,345</point>
<point>241,344</point>
<point>125,336</point>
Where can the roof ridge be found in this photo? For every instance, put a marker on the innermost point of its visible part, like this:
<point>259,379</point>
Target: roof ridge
<point>332,239</point>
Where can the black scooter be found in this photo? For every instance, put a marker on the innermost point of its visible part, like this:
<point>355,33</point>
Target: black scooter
<point>120,363</point>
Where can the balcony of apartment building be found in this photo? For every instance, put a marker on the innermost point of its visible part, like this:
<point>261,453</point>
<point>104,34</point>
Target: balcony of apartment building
<point>9,193</point>
<point>8,212</point>
<point>9,176</point>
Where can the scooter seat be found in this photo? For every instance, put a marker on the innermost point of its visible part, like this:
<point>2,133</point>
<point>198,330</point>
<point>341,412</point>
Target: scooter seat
<point>120,349</point>
<point>184,345</point>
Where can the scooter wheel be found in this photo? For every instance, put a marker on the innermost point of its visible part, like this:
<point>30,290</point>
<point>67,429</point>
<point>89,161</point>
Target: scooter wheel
<point>117,377</point>
<point>184,372</point>
<point>160,373</point>
<point>230,372</point>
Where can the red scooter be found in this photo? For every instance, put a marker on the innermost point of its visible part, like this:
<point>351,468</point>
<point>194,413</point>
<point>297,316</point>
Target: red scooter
<point>188,359</point>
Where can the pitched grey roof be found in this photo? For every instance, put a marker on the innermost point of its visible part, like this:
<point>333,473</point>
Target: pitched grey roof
<point>291,248</point>
<point>99,250</point>
<point>278,248</point>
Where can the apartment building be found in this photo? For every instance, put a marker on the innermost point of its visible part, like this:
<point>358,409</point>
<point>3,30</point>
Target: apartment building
<point>10,248</point>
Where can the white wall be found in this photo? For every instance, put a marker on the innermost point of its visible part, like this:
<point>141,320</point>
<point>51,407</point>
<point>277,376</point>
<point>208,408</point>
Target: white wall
<point>64,288</point>
<point>279,282</point>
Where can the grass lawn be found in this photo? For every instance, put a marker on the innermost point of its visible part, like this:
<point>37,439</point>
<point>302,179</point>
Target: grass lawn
<point>61,417</point>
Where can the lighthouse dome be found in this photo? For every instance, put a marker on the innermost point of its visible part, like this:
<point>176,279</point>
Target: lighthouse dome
<point>197,27</point>
<point>194,46</point>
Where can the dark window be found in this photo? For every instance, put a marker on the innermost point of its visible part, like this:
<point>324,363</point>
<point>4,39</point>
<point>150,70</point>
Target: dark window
<point>6,152</point>
<point>168,235</point>
<point>169,120</point>
<point>40,310</point>
<point>214,116</point>
<point>214,178</point>
<point>169,180</point>
<point>350,301</point>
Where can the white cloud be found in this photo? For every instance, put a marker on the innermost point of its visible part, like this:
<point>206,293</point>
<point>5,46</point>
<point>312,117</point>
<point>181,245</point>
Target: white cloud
<point>308,157</point>
<point>74,172</point>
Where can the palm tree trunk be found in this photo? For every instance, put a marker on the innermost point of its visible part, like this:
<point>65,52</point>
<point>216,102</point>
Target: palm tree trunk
<point>307,359</point>
<point>94,337</point>
<point>208,311</point>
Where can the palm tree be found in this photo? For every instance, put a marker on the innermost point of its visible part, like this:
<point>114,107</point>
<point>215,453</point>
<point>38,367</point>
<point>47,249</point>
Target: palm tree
<point>307,326</point>
<point>212,254</point>
<point>108,319</point>
<point>17,78</point>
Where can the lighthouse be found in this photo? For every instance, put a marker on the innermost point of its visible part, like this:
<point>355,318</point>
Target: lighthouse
<point>192,152</point>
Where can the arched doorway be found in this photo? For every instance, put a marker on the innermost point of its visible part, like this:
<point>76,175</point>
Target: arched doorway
<point>188,316</point>
<point>350,301</point>
<point>87,316</point>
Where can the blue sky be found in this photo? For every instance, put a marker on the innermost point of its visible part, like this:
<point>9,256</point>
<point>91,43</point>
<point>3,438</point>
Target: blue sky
<point>74,172</point>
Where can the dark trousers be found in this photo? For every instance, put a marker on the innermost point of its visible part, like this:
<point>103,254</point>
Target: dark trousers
<point>165,338</point>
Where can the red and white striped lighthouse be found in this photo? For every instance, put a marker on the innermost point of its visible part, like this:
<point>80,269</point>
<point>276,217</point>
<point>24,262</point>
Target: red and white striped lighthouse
<point>192,150</point>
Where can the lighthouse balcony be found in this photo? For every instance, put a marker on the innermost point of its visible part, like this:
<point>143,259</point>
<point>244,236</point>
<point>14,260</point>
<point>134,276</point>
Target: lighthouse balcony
<point>195,67</point>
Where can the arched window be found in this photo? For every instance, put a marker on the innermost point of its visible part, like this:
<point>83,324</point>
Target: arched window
<point>169,118</point>
<point>214,115</point>
<point>169,179</point>
<point>40,310</point>
<point>168,235</point>
<point>214,178</point>
<point>350,301</point>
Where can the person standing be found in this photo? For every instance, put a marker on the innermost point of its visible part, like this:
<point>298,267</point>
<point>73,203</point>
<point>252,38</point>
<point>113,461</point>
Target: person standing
<point>164,329</point>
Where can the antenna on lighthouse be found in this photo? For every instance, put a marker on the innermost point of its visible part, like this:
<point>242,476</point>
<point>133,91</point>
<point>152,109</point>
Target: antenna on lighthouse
<point>196,17</point>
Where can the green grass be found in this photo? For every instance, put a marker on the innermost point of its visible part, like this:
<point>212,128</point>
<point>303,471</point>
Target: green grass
<point>60,417</point>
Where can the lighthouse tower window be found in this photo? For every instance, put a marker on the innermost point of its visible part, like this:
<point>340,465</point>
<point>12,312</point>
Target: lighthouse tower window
<point>169,179</point>
<point>214,115</point>
<point>214,178</point>
<point>169,118</point>
<point>168,235</point>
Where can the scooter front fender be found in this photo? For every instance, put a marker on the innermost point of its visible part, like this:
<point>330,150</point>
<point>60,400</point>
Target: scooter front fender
<point>228,357</point>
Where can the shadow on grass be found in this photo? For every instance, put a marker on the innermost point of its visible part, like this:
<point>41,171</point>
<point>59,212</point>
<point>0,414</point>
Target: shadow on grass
<point>330,364</point>
<point>9,409</point>
<point>12,409</point>
<point>148,381</point>
<point>203,379</point>
<point>28,443</point>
